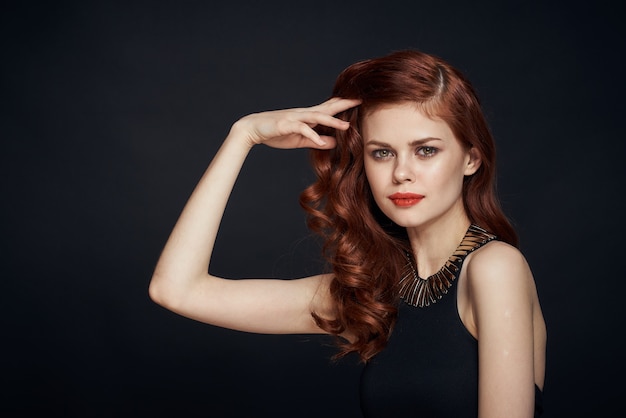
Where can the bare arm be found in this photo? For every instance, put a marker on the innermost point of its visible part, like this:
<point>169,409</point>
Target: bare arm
<point>510,330</point>
<point>181,281</point>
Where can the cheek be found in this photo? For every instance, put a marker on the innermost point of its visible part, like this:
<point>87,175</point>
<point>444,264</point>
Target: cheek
<point>448,177</point>
<point>439,179</point>
<point>376,186</point>
<point>373,176</point>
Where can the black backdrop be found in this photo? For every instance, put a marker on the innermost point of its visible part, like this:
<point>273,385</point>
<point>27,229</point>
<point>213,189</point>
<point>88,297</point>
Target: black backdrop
<point>111,111</point>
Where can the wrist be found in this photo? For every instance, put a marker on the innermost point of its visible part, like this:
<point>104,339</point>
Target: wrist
<point>240,134</point>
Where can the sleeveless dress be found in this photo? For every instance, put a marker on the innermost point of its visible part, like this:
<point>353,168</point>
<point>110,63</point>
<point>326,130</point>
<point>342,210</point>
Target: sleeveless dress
<point>430,365</point>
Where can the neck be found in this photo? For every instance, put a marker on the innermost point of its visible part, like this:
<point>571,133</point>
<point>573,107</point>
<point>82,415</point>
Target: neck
<point>433,244</point>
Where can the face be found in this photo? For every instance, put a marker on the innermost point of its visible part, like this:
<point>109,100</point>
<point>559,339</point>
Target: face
<point>414,165</point>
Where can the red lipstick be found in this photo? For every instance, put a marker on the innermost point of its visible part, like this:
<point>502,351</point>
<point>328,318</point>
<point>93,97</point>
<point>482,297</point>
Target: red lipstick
<point>405,199</point>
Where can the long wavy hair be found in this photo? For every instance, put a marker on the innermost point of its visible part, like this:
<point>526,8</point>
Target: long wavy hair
<point>365,250</point>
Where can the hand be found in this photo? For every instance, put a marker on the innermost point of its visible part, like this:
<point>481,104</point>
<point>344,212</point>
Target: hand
<point>293,128</point>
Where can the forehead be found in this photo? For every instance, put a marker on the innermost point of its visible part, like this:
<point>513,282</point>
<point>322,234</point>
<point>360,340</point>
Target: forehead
<point>402,121</point>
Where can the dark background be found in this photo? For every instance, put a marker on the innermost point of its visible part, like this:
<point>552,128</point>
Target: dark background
<point>111,111</point>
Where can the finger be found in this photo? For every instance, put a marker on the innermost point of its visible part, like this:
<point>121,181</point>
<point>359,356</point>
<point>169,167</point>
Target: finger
<point>330,142</point>
<point>336,105</point>
<point>307,132</point>
<point>319,118</point>
<point>314,140</point>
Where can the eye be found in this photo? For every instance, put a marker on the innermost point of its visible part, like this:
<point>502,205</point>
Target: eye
<point>381,154</point>
<point>427,151</point>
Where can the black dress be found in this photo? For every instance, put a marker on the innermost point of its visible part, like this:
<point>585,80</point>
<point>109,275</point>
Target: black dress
<point>429,367</point>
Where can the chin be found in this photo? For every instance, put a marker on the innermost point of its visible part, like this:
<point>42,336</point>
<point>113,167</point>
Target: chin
<point>406,223</point>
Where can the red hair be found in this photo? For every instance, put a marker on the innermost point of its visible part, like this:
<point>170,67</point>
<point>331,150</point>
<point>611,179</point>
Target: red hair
<point>364,248</point>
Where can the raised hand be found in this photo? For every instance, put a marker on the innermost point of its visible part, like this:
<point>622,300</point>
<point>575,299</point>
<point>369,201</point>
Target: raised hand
<point>293,128</point>
<point>181,281</point>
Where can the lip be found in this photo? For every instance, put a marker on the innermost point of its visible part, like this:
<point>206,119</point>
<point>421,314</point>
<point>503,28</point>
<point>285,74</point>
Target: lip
<point>405,199</point>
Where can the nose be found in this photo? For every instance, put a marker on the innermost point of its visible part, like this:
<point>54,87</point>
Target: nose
<point>403,171</point>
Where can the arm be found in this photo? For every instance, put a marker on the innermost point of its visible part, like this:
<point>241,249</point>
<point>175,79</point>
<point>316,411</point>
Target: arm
<point>181,281</point>
<point>510,330</point>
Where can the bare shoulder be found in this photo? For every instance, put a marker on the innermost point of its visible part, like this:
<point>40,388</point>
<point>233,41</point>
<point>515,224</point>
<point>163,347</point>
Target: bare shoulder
<point>499,269</point>
<point>501,310</point>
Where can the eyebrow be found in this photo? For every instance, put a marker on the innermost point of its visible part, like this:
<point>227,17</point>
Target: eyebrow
<point>413,143</point>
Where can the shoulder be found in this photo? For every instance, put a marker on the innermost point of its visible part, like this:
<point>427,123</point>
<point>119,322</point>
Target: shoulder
<point>498,271</point>
<point>496,257</point>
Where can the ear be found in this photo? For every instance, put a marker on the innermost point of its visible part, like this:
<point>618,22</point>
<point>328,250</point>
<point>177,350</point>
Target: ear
<point>473,161</point>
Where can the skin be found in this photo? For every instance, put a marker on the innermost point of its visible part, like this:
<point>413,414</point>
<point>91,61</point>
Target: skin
<point>180,281</point>
<point>497,299</point>
<point>407,151</point>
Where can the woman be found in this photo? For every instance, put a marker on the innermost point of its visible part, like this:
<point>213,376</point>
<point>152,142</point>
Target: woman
<point>425,281</point>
